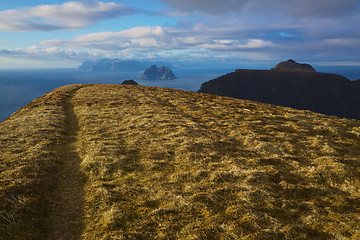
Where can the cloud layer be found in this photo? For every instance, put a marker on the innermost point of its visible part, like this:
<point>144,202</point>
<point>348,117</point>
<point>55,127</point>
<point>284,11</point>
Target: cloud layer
<point>200,40</point>
<point>296,8</point>
<point>68,16</point>
<point>307,30</point>
<point>163,38</point>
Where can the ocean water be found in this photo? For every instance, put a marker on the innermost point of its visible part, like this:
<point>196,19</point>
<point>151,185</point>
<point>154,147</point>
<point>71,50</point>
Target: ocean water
<point>19,87</point>
<point>350,72</point>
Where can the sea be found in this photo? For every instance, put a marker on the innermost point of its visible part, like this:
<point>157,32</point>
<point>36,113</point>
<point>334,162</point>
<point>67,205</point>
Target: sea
<point>19,87</point>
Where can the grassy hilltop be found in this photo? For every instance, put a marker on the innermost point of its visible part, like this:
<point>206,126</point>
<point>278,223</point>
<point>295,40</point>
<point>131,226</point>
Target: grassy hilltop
<point>133,162</point>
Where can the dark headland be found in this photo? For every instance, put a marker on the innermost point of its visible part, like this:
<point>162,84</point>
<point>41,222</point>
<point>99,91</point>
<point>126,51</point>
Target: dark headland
<point>291,84</point>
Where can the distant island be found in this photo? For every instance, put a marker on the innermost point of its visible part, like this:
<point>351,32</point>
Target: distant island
<point>291,65</point>
<point>116,65</point>
<point>291,84</point>
<point>155,73</point>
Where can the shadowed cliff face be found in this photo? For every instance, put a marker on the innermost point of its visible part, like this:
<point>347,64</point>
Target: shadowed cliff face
<point>319,92</point>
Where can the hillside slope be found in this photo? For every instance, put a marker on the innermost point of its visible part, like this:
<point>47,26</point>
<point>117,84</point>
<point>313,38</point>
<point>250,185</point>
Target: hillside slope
<point>133,162</point>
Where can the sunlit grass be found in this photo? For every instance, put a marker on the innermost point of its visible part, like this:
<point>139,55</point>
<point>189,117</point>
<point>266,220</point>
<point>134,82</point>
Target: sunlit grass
<point>169,164</point>
<point>29,145</point>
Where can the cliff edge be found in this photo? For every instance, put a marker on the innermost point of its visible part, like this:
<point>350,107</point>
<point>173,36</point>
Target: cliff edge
<point>294,85</point>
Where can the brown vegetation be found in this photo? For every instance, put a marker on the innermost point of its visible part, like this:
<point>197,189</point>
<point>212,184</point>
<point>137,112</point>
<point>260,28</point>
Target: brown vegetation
<point>167,164</point>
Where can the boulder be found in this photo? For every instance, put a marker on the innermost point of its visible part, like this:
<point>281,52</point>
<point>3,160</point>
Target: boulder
<point>129,82</point>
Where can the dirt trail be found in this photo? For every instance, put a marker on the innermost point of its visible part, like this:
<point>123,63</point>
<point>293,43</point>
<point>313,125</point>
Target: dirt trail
<point>68,195</point>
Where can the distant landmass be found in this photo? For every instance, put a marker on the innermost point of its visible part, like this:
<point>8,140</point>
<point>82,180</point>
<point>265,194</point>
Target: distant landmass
<point>291,84</point>
<point>115,65</point>
<point>155,73</point>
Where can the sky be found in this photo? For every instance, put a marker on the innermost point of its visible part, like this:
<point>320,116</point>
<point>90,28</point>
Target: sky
<point>62,34</point>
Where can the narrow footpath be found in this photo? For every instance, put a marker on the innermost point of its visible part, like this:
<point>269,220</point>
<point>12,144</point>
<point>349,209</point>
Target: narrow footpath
<point>66,214</point>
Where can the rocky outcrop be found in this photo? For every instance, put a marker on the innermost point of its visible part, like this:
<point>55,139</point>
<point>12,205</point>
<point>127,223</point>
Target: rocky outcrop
<point>129,82</point>
<point>155,73</point>
<point>329,94</point>
<point>291,65</point>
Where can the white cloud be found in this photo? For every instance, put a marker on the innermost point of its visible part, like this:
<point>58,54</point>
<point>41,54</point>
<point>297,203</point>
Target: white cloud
<point>234,45</point>
<point>68,16</point>
<point>296,8</point>
<point>199,42</point>
<point>163,38</point>
<point>202,40</point>
<point>220,37</point>
<point>52,53</point>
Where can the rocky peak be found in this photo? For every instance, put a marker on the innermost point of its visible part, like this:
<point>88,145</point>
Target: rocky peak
<point>291,65</point>
<point>155,73</point>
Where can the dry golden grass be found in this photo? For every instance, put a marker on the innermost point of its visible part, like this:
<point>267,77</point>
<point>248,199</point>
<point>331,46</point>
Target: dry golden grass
<point>30,141</point>
<point>168,164</point>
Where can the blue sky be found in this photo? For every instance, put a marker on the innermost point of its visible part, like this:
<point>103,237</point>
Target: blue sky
<point>53,33</point>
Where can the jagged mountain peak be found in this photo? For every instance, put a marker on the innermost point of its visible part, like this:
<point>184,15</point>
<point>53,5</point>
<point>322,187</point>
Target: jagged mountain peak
<point>155,73</point>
